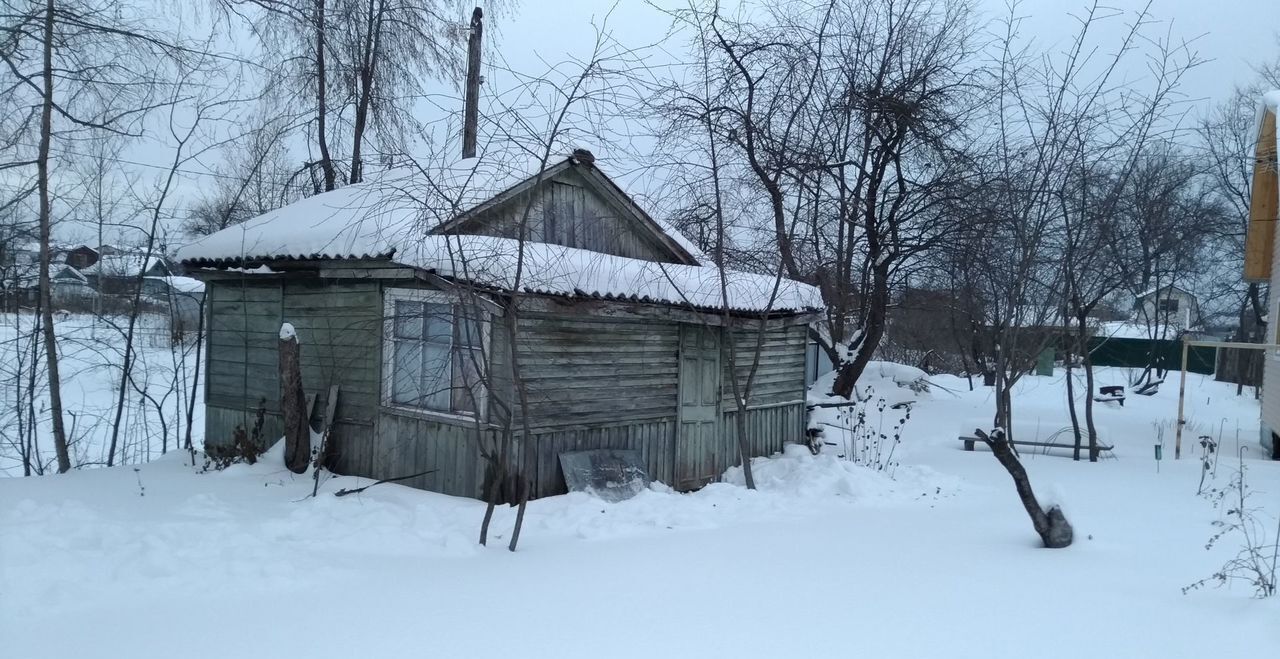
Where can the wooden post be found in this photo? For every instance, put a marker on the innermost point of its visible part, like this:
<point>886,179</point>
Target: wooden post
<point>1182,394</point>
<point>293,403</point>
<point>471,99</point>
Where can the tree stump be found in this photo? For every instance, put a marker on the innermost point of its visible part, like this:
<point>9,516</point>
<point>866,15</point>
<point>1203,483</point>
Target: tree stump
<point>293,403</point>
<point>1051,525</point>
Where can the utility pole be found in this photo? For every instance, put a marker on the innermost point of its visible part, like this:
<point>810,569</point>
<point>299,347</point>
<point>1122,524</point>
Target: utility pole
<point>471,110</point>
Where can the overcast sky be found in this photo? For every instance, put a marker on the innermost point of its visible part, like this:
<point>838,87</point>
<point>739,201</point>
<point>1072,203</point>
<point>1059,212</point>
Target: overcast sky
<point>1231,34</point>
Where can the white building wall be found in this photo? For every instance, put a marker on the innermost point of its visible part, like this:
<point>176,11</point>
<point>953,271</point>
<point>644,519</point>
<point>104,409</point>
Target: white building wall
<point>1271,361</point>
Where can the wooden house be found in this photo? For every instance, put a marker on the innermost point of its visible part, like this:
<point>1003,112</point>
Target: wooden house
<point>81,256</point>
<point>119,273</point>
<point>1169,306</point>
<point>408,290</point>
<point>1261,255</point>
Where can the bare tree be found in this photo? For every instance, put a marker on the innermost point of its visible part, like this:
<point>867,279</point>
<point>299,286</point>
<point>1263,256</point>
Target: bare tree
<point>364,65</point>
<point>1170,222</point>
<point>253,180</point>
<point>848,121</point>
<point>189,140</point>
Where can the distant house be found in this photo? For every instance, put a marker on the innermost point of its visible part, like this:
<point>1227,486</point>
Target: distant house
<point>118,273</point>
<point>71,288</point>
<point>183,297</point>
<point>1168,306</point>
<point>20,283</point>
<point>81,257</point>
<point>400,291</point>
<point>1260,254</point>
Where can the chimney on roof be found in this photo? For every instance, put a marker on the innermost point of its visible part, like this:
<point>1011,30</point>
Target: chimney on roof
<point>584,156</point>
<point>471,102</point>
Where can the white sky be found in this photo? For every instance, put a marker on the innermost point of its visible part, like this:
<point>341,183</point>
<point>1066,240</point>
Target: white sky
<point>1231,34</point>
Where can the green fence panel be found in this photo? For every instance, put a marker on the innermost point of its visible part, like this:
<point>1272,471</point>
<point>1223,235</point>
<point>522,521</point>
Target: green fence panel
<point>1136,353</point>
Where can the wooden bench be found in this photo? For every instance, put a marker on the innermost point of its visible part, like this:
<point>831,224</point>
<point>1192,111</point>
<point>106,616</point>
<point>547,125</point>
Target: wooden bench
<point>971,442</point>
<point>1110,394</point>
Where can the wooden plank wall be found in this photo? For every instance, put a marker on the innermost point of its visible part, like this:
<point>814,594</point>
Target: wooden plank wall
<point>779,376</point>
<point>1264,204</point>
<point>244,331</point>
<point>768,430</point>
<point>568,212</point>
<point>338,325</point>
<point>404,444</point>
<point>585,371</point>
<point>592,382</point>
<point>654,439</point>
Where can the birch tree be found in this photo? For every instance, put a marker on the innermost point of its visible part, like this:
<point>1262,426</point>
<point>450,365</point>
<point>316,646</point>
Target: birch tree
<point>85,67</point>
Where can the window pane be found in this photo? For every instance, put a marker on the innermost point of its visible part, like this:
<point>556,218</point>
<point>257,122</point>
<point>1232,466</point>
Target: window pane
<point>408,320</point>
<point>406,373</point>
<point>468,380</point>
<point>439,323</point>
<point>436,380</point>
<point>468,330</point>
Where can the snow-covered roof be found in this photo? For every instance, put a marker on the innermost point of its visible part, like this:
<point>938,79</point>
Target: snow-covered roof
<point>69,272</point>
<point>373,219</point>
<point>1136,329</point>
<point>567,271</point>
<point>182,284</point>
<point>1165,287</point>
<point>122,265</point>
<point>365,220</point>
<point>391,215</point>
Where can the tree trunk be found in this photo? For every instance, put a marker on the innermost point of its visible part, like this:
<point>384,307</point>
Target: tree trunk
<point>872,331</point>
<point>46,225</point>
<point>293,404</point>
<point>326,162</point>
<point>195,382</point>
<point>368,61</point>
<point>1071,409</point>
<point>1052,525</point>
<point>1088,399</point>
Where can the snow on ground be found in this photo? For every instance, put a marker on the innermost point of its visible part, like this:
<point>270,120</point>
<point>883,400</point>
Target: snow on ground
<point>91,351</point>
<point>827,559</point>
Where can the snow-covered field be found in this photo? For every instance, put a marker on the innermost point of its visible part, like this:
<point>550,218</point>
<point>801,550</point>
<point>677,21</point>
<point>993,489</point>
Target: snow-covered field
<point>827,559</point>
<point>91,352</point>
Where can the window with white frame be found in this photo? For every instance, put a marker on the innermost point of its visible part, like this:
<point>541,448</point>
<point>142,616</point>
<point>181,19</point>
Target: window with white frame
<point>434,353</point>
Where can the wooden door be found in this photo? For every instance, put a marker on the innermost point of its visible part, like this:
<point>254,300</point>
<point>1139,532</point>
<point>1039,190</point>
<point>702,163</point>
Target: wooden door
<point>697,441</point>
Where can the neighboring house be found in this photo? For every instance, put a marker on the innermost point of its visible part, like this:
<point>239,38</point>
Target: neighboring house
<point>118,273</point>
<point>70,288</point>
<point>183,297</point>
<point>398,290</point>
<point>81,257</point>
<point>1171,307</point>
<point>1261,255</point>
<point>20,280</point>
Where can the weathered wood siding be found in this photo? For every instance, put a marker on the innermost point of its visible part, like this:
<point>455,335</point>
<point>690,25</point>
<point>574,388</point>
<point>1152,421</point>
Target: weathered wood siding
<point>779,376</point>
<point>243,365</point>
<point>405,442</point>
<point>598,383</point>
<point>654,439</point>
<point>580,371</point>
<point>775,410</point>
<point>593,379</point>
<point>565,211</point>
<point>338,326</point>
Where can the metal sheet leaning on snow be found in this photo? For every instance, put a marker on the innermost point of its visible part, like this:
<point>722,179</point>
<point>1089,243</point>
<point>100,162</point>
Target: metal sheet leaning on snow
<point>611,474</point>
